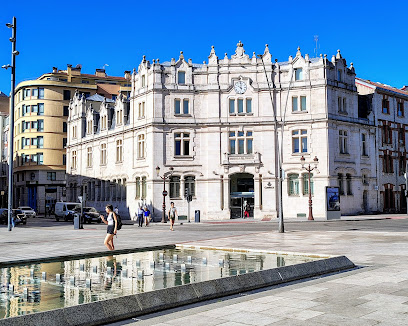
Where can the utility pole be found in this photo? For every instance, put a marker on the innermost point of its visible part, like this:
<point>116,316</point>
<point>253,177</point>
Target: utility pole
<point>14,53</point>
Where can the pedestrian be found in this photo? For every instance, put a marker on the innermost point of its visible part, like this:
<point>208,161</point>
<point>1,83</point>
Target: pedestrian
<point>146,215</point>
<point>140,214</point>
<point>246,211</point>
<point>172,215</point>
<point>112,222</point>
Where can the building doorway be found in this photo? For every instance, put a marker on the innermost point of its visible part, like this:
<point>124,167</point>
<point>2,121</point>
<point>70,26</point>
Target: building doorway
<point>32,197</point>
<point>241,195</point>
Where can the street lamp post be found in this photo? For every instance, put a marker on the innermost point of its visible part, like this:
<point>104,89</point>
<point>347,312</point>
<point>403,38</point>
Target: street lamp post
<point>309,169</point>
<point>164,177</point>
<point>14,53</point>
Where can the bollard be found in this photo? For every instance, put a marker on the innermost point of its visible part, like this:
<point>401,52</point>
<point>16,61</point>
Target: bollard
<point>204,261</point>
<point>189,259</point>
<point>88,283</point>
<point>95,269</point>
<point>140,274</point>
<point>175,258</point>
<point>161,256</point>
<point>44,275</point>
<point>183,267</point>
<point>72,280</point>
<point>221,262</point>
<point>81,267</point>
<point>138,263</point>
<point>152,264</point>
<point>58,278</point>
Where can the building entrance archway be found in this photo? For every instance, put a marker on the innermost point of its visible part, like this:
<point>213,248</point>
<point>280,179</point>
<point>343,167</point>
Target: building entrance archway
<point>241,195</point>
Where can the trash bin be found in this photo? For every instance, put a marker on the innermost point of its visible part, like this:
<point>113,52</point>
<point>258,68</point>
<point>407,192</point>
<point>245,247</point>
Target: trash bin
<point>76,221</point>
<point>197,216</point>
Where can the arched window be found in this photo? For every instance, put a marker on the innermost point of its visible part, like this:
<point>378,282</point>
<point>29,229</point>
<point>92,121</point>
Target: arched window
<point>293,186</point>
<point>174,187</point>
<point>189,184</point>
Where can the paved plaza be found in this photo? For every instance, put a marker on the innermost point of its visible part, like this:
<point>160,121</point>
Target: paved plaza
<point>374,294</point>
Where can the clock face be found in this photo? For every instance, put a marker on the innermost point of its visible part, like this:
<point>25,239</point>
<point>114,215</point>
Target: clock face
<point>240,87</point>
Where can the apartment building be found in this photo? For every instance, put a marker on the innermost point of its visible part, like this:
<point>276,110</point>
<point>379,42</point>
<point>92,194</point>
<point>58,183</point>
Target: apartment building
<point>40,130</point>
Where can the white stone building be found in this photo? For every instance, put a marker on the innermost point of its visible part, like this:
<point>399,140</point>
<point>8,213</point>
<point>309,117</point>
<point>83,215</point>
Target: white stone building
<point>213,123</point>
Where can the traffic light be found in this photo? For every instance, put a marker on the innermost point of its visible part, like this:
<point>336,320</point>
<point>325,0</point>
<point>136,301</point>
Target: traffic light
<point>186,192</point>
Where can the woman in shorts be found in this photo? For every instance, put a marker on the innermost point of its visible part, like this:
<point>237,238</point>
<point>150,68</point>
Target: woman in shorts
<point>172,215</point>
<point>112,226</point>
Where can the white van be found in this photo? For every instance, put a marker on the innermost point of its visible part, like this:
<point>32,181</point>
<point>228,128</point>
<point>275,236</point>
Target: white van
<point>65,211</point>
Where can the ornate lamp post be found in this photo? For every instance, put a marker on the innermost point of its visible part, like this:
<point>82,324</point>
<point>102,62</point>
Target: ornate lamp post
<point>164,177</point>
<point>309,169</point>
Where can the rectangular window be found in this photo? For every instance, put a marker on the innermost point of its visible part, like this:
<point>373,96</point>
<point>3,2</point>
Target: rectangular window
<point>40,125</point>
<point>231,106</point>
<point>67,95</point>
<point>248,105</point>
<point>119,151</point>
<point>298,74</point>
<point>141,146</point>
<point>40,109</point>
<point>64,159</point>
<point>340,183</point>
<point>137,188</point>
<point>34,108</point>
<point>23,109</point>
<point>185,107</point>
<point>240,142</point>
<point>144,188</point>
<point>299,141</point>
<point>303,103</point>
<point>182,144</point>
<point>40,142</point>
<point>400,109</point>
<point>343,141</point>
<point>293,186</point>
<point>232,142</point>
<point>339,104</point>
<point>240,105</point>
<point>305,178</point>
<point>34,92</point>
<point>64,127</point>
<point>177,106</point>
<point>103,154</point>
<point>52,176</point>
<point>349,184</point>
<point>385,106</point>
<point>143,80</point>
<point>295,107</point>
<point>74,160</point>
<point>74,132</point>
<point>41,93</point>
<point>65,111</point>
<point>64,142</point>
<point>40,158</point>
<point>181,77</point>
<point>89,157</point>
<point>344,105</point>
<point>363,145</point>
<point>339,75</point>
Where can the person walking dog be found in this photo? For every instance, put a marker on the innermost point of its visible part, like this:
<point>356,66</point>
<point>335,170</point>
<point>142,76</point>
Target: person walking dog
<point>112,223</point>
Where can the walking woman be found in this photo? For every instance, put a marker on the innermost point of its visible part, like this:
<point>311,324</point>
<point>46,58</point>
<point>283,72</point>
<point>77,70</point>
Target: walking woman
<point>112,226</point>
<point>172,215</point>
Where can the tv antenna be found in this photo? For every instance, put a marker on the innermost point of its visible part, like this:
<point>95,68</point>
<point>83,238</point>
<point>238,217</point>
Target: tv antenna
<point>105,65</point>
<point>316,39</point>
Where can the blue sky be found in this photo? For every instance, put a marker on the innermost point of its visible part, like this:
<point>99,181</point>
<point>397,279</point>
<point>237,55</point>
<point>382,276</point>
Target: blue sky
<point>371,34</point>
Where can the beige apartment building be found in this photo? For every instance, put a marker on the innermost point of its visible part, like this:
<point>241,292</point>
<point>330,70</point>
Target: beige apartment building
<point>40,129</point>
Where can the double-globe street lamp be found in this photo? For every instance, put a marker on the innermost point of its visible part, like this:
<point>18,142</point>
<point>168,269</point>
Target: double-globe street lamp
<point>309,169</point>
<point>165,176</point>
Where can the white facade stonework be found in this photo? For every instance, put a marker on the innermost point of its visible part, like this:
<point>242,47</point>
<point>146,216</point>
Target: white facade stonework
<point>187,116</point>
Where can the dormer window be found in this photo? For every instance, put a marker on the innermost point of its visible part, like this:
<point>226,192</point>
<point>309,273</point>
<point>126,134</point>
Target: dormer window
<point>143,80</point>
<point>339,75</point>
<point>89,127</point>
<point>119,117</point>
<point>181,77</point>
<point>104,122</point>
<point>298,74</point>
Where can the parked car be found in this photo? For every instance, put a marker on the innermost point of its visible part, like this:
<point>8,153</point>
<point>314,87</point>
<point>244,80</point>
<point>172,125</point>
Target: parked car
<point>28,211</point>
<point>90,214</point>
<point>65,211</point>
<point>19,216</point>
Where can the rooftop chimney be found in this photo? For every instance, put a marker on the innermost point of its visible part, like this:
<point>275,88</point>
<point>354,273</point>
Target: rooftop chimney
<point>54,70</point>
<point>100,73</point>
